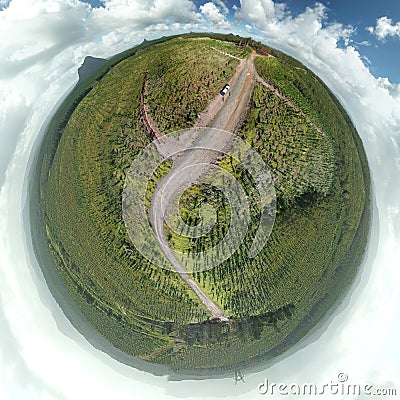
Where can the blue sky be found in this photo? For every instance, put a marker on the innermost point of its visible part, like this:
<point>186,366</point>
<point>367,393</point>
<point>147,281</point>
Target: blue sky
<point>383,56</point>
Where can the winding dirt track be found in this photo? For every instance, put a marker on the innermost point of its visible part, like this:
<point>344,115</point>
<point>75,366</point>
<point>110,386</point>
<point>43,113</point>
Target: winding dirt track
<point>221,114</point>
<point>226,114</point>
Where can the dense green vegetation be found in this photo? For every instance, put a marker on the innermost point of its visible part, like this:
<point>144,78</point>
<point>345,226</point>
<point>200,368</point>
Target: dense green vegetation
<point>322,182</point>
<point>190,204</point>
<point>181,84</point>
<point>300,156</point>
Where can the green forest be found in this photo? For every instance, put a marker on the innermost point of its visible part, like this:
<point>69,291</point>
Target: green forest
<point>321,178</point>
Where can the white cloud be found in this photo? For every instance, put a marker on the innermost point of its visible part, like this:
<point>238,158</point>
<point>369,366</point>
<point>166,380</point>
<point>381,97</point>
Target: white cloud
<point>139,13</point>
<point>260,11</point>
<point>214,15</point>
<point>364,43</point>
<point>35,32</point>
<point>367,60</point>
<point>35,335</point>
<point>248,27</point>
<point>224,9</point>
<point>384,28</point>
<point>4,3</point>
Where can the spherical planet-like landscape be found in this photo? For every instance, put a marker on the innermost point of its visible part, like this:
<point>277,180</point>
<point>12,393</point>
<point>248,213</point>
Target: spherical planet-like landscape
<point>202,120</point>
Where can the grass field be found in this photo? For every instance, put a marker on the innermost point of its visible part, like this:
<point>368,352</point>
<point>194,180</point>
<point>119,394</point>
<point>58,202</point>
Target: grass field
<point>322,182</point>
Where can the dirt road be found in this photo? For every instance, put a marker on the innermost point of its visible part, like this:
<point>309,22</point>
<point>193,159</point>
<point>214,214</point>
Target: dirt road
<point>226,114</point>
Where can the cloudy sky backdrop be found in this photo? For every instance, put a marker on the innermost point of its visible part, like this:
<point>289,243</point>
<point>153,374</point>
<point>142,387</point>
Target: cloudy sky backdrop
<point>353,47</point>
